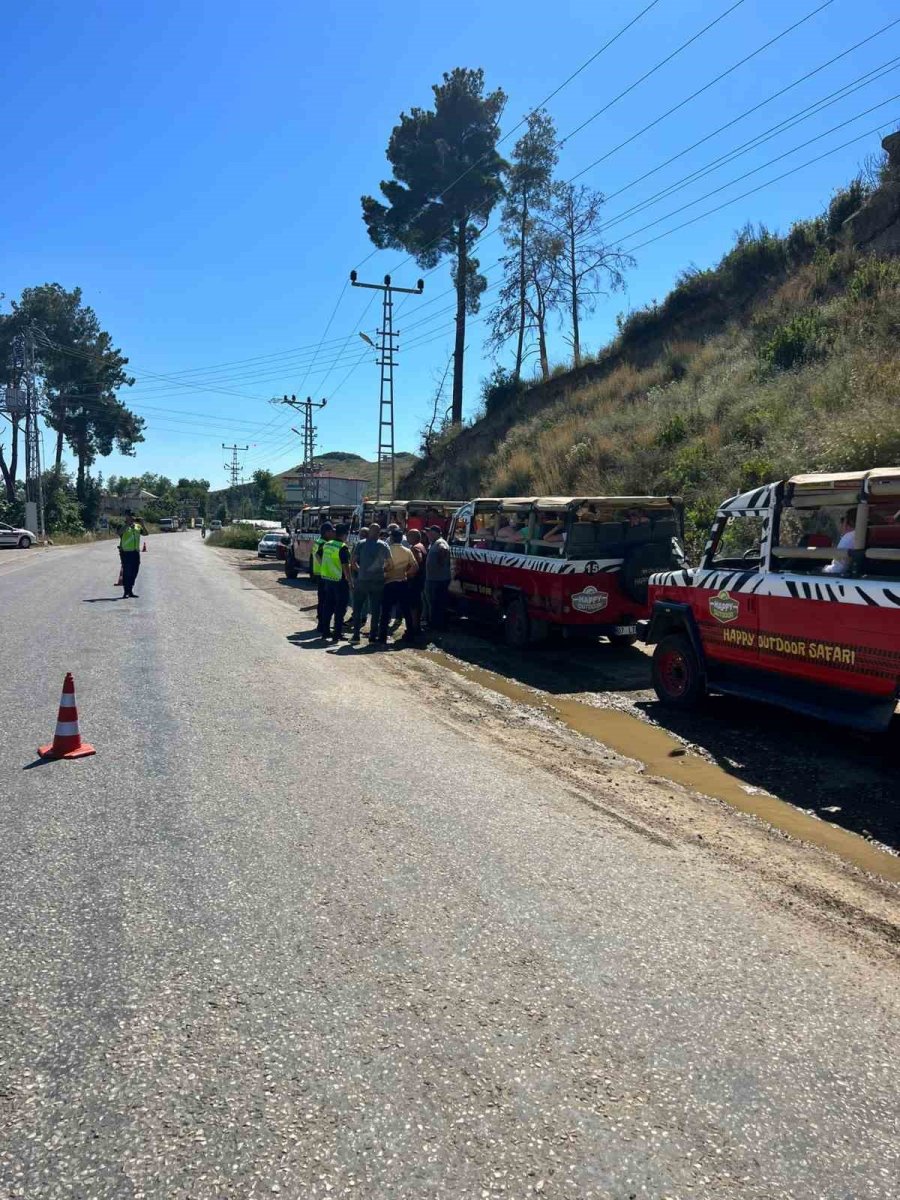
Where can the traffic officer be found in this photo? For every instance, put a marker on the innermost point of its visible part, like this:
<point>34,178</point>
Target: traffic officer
<point>334,563</point>
<point>326,531</point>
<point>130,553</point>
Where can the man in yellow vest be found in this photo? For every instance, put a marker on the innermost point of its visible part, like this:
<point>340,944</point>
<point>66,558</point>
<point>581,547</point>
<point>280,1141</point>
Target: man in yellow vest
<point>334,564</point>
<point>130,553</point>
<point>326,532</point>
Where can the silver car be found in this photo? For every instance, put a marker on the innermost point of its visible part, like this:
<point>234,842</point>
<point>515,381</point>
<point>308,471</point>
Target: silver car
<point>10,536</point>
<point>269,544</point>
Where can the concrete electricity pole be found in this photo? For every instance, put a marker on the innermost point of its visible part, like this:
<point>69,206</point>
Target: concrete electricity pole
<point>386,360</point>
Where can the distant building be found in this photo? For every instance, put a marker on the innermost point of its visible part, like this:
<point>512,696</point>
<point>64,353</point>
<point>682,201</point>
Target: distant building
<point>113,505</point>
<point>329,489</point>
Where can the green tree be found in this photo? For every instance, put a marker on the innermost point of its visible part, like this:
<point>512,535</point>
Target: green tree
<point>446,180</point>
<point>528,194</point>
<point>80,373</point>
<point>62,512</point>
<point>269,491</point>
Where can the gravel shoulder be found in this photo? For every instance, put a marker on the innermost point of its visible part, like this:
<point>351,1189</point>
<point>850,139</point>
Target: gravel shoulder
<point>829,895</point>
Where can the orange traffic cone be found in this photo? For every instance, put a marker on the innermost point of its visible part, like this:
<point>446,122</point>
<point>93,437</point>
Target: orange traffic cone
<point>67,741</point>
<point>144,548</point>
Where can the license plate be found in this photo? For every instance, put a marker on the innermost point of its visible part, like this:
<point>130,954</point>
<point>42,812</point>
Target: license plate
<point>625,630</point>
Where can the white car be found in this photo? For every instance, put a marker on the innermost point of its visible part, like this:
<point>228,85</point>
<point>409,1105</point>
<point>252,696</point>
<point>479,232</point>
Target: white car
<point>22,538</point>
<point>269,543</point>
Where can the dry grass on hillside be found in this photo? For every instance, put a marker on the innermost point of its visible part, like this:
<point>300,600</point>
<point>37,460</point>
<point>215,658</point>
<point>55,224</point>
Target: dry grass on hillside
<point>812,382</point>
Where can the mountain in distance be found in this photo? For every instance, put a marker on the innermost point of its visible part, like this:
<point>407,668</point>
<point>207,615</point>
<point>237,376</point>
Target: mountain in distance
<point>353,466</point>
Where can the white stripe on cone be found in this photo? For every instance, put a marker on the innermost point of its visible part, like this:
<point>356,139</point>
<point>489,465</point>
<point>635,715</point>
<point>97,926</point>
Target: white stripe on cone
<point>66,728</point>
<point>68,700</point>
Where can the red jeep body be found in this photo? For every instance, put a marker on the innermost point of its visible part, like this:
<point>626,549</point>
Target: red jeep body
<point>777,611</point>
<point>580,563</point>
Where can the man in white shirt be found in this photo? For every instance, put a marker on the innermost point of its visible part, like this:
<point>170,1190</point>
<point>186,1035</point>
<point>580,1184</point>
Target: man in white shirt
<point>841,561</point>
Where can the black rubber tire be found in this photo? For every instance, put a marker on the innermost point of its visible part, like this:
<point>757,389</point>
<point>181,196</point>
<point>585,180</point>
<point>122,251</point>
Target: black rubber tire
<point>622,639</point>
<point>24,543</point>
<point>290,566</point>
<point>677,673</point>
<point>309,567</point>
<point>516,624</point>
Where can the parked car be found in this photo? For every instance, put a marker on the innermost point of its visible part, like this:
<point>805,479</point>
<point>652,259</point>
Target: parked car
<point>11,536</point>
<point>214,525</point>
<point>796,601</point>
<point>269,543</point>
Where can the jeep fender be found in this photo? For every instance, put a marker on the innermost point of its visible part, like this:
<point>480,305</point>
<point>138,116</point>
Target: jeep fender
<point>673,616</point>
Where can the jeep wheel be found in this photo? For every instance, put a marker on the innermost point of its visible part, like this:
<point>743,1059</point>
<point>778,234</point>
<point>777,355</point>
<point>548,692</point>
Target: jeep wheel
<point>290,566</point>
<point>516,625</point>
<point>24,543</point>
<point>677,675</point>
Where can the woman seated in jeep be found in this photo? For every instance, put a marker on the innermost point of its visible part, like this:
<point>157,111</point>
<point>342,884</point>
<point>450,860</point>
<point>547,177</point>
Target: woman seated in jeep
<point>840,564</point>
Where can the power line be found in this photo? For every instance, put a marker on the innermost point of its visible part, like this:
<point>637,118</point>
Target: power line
<point>812,110</point>
<point>762,166</point>
<point>754,108</point>
<point>768,183</point>
<point>699,92</point>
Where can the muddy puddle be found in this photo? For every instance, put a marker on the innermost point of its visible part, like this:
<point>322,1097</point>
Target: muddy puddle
<point>665,757</point>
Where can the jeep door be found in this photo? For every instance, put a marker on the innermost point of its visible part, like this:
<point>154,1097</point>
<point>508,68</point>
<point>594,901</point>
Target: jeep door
<point>725,606</point>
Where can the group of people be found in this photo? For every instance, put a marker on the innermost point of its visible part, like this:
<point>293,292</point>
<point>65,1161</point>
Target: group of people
<point>389,578</point>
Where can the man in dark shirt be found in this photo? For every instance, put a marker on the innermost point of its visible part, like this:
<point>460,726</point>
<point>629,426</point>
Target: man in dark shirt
<point>437,578</point>
<point>370,559</point>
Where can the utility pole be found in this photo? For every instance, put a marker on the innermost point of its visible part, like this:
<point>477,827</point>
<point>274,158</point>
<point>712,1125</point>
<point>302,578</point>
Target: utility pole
<point>234,467</point>
<point>386,361</point>
<point>308,492</point>
<point>34,492</point>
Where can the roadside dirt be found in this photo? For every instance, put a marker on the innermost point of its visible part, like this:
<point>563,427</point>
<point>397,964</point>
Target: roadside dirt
<point>806,786</point>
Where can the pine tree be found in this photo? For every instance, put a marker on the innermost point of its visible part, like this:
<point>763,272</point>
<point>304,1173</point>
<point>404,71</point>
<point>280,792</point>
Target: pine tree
<point>446,180</point>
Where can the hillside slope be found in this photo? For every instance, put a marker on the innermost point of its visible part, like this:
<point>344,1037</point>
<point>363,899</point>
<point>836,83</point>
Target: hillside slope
<point>352,466</point>
<point>782,358</point>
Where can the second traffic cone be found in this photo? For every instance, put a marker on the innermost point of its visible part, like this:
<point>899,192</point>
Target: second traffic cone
<point>67,741</point>
<point>144,548</point>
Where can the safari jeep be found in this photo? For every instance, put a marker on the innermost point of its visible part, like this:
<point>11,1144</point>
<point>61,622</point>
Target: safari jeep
<point>579,564</point>
<point>796,601</point>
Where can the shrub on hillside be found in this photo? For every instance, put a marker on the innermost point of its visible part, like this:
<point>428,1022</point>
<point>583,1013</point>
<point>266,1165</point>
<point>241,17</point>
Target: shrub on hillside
<point>797,341</point>
<point>873,277</point>
<point>845,202</point>
<point>500,389</point>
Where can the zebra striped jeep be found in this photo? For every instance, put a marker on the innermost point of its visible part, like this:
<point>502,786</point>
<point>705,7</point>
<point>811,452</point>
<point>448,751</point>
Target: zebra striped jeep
<point>576,564</point>
<point>796,601</point>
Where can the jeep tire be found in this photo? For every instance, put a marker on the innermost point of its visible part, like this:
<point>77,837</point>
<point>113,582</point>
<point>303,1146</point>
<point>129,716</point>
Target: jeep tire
<point>290,565</point>
<point>677,674</point>
<point>516,625</point>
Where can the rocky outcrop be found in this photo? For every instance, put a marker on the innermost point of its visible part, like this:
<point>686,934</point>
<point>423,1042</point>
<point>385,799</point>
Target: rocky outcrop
<point>875,227</point>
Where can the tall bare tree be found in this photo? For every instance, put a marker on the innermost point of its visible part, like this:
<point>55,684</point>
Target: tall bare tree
<point>590,267</point>
<point>528,194</point>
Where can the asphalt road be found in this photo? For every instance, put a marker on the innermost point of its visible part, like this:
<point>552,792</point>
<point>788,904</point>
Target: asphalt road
<point>291,933</point>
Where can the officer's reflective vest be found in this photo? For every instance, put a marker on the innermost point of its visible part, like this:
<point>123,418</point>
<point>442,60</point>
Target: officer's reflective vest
<point>331,561</point>
<point>316,565</point>
<point>130,539</point>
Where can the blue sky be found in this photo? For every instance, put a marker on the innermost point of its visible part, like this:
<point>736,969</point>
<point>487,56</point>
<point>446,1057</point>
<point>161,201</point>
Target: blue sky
<point>197,170</point>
